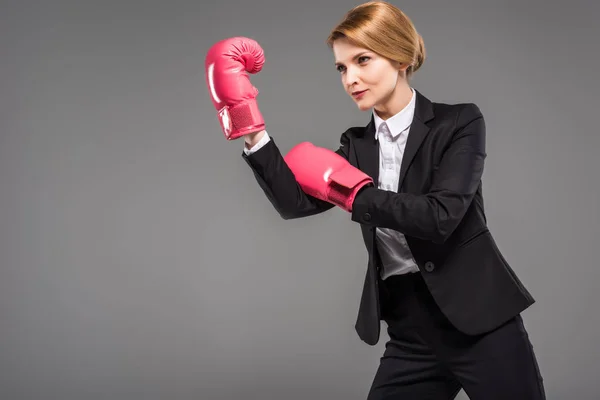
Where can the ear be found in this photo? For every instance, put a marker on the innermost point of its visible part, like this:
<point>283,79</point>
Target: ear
<point>401,66</point>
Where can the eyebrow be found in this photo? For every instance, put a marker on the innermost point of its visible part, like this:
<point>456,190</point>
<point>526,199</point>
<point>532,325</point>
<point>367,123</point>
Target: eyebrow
<point>353,58</point>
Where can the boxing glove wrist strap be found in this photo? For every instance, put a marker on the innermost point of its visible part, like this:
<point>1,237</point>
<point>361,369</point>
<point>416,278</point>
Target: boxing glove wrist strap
<point>241,119</point>
<point>343,196</point>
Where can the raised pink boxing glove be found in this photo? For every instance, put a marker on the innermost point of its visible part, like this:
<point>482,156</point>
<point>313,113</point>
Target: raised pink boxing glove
<point>325,174</point>
<point>227,65</point>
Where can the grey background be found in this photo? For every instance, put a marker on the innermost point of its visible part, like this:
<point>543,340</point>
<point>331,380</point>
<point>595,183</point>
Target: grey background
<point>140,259</point>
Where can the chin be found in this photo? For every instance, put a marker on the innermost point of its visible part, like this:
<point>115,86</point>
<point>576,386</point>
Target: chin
<point>364,106</point>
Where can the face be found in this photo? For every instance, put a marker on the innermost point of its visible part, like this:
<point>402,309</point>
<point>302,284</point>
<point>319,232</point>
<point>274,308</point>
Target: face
<point>370,79</point>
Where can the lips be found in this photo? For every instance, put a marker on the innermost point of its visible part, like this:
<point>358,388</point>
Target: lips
<point>358,94</point>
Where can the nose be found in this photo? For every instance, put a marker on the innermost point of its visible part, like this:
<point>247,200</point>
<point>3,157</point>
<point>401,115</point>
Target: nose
<point>351,77</point>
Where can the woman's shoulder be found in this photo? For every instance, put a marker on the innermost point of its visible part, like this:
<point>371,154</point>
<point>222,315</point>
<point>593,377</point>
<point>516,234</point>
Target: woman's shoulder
<point>457,114</point>
<point>456,111</point>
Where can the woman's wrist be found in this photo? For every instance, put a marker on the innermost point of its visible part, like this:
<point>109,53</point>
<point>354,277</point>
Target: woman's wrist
<point>252,138</point>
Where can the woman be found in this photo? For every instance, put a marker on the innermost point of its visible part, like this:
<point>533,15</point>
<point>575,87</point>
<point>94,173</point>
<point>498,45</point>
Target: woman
<point>411,179</point>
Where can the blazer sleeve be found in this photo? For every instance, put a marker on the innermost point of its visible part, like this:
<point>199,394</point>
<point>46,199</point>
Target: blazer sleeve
<point>435,215</point>
<point>279,183</point>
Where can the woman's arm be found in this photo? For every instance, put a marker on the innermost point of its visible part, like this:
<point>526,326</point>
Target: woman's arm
<point>279,183</point>
<point>435,215</point>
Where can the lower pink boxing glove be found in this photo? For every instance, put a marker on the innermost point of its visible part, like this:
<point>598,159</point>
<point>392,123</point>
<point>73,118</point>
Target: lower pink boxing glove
<point>326,175</point>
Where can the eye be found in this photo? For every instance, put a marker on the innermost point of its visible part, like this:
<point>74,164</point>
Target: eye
<point>361,60</point>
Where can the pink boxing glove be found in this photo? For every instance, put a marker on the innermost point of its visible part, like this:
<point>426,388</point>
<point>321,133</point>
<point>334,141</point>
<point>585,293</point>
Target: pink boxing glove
<point>227,65</point>
<point>325,174</point>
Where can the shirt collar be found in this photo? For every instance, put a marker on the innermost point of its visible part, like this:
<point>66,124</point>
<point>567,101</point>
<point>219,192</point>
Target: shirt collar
<point>400,121</point>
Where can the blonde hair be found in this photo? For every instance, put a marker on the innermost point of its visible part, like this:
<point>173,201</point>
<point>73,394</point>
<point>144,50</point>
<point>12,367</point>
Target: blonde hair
<point>383,29</point>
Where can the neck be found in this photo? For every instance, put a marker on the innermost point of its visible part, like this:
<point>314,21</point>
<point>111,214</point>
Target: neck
<point>396,102</point>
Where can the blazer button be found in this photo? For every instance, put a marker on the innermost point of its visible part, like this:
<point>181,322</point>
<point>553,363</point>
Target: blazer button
<point>429,266</point>
<point>367,216</point>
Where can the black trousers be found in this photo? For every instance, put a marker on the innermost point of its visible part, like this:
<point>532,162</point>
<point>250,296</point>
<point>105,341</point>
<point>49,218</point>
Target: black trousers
<point>427,358</point>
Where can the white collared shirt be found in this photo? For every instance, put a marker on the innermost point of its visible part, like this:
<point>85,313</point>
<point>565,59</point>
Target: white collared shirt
<point>391,135</point>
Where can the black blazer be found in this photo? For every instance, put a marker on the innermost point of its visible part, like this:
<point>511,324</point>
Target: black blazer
<point>438,207</point>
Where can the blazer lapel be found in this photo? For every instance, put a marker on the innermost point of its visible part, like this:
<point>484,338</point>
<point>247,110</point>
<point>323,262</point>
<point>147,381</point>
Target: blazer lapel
<point>416,134</point>
<point>367,152</point>
<point>367,149</point>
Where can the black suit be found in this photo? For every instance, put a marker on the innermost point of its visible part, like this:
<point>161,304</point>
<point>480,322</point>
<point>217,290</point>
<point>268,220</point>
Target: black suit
<point>438,207</point>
